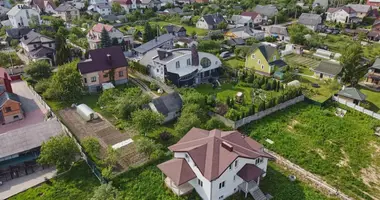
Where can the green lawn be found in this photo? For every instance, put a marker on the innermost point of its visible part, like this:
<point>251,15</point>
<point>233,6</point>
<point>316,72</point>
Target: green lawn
<point>295,60</point>
<point>78,183</point>
<point>373,98</point>
<point>226,90</point>
<point>235,63</point>
<point>321,94</point>
<point>344,151</point>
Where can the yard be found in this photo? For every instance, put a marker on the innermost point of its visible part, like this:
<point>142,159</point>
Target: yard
<point>373,98</point>
<point>326,88</point>
<point>235,63</point>
<point>344,151</point>
<point>295,60</point>
<point>78,183</point>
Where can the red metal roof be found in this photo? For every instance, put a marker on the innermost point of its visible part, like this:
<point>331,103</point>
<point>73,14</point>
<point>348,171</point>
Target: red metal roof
<point>99,27</point>
<point>177,170</point>
<point>210,156</point>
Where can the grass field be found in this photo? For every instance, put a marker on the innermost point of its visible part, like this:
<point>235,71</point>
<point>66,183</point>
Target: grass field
<point>373,98</point>
<point>295,60</point>
<point>321,94</point>
<point>235,63</point>
<point>344,151</point>
<point>78,183</point>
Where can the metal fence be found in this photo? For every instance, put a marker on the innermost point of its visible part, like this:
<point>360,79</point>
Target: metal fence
<point>84,156</point>
<point>356,107</point>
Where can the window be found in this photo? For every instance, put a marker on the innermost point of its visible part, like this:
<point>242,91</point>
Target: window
<point>221,197</point>
<point>8,109</point>
<point>49,44</point>
<point>121,73</point>
<point>236,163</point>
<point>200,183</point>
<point>258,160</point>
<point>93,79</point>
<point>205,62</point>
<point>258,61</point>
<point>274,57</point>
<point>15,117</point>
<point>158,70</point>
<point>222,184</point>
<point>230,167</point>
<point>188,61</point>
<point>253,56</point>
<point>262,66</point>
<point>85,80</point>
<point>105,75</point>
<point>234,177</point>
<point>177,64</point>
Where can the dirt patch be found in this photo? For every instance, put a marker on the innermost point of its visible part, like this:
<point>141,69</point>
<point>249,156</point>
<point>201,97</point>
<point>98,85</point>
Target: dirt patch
<point>371,174</point>
<point>320,153</point>
<point>345,160</point>
<point>292,124</point>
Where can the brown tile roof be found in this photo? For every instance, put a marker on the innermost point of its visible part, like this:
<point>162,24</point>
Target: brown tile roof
<point>253,15</point>
<point>99,27</point>
<point>250,172</point>
<point>177,170</point>
<point>213,151</point>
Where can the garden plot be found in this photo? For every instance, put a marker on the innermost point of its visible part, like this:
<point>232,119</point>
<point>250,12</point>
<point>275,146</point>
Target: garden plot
<point>343,151</point>
<point>107,134</point>
<point>296,60</point>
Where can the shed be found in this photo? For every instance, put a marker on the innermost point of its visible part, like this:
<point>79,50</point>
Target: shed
<point>352,95</point>
<point>327,69</point>
<point>86,112</point>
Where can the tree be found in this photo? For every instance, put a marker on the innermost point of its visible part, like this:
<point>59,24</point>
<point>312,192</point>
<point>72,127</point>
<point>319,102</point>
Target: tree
<point>297,34</point>
<point>146,120</point>
<point>60,151</point>
<point>115,42</point>
<point>105,40</point>
<point>116,8</point>
<point>39,70</point>
<point>148,33</point>
<point>63,51</point>
<point>222,25</point>
<point>215,123</point>
<point>147,146</point>
<point>66,84</point>
<point>111,158</point>
<point>92,147</point>
<point>186,122</point>
<point>56,23</point>
<point>34,21</point>
<point>106,192</point>
<point>352,70</point>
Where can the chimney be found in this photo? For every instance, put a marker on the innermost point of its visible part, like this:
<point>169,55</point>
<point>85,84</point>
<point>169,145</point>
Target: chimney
<point>109,58</point>
<point>227,146</point>
<point>7,83</point>
<point>25,37</point>
<point>194,56</point>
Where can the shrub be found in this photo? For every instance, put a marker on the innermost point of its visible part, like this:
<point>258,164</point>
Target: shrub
<point>165,136</point>
<point>153,86</point>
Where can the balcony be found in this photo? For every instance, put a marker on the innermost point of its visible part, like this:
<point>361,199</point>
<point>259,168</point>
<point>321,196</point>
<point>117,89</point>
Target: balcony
<point>180,190</point>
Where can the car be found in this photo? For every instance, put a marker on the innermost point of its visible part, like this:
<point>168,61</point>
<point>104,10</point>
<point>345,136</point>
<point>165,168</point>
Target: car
<point>329,31</point>
<point>336,32</point>
<point>225,54</point>
<point>315,85</point>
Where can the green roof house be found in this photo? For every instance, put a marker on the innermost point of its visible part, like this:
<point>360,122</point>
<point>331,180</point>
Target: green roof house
<point>262,59</point>
<point>327,70</point>
<point>351,95</point>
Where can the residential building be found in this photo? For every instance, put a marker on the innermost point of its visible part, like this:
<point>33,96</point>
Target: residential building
<point>101,8</point>
<point>351,95</point>
<point>94,36</point>
<point>173,11</point>
<point>374,34</point>
<point>375,3</point>
<point>164,41</point>
<point>78,4</point>
<point>327,70</point>
<point>322,3</point>
<point>343,14</point>
<point>266,11</point>
<point>256,17</point>
<point>10,108</point>
<point>169,105</point>
<point>43,6</point>
<point>311,21</point>
<point>97,69</point>
<point>151,4</point>
<point>112,18</point>
<point>16,33</point>
<point>38,47</point>
<point>279,32</point>
<point>373,76</point>
<point>245,33</point>
<point>210,22</point>
<point>178,31</point>
<point>5,81</point>
<point>239,20</point>
<point>129,5</point>
<point>182,67</point>
<point>216,164</point>
<point>20,15</point>
<point>361,10</point>
<point>3,13</point>
<point>67,12</point>
<point>234,42</point>
<point>262,59</point>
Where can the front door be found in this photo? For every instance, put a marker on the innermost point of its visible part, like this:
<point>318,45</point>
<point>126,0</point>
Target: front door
<point>320,75</point>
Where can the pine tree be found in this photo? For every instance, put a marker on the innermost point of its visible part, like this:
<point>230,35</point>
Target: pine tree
<point>63,51</point>
<point>105,40</point>
<point>148,33</point>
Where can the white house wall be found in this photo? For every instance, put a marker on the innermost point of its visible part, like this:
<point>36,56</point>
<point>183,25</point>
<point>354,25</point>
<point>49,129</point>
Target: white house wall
<point>201,23</point>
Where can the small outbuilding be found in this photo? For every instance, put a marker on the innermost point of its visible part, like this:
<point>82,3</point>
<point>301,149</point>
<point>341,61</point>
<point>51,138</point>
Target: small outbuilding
<point>168,105</point>
<point>86,112</point>
<point>352,95</point>
<point>327,70</point>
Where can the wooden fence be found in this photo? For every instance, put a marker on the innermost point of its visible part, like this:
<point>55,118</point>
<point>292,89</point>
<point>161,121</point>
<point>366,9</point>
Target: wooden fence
<point>356,107</point>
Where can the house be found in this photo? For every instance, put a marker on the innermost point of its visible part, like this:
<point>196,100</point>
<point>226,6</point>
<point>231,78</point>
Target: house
<point>97,69</point>
<point>375,3</point>
<point>112,18</point>
<point>129,5</point>
<point>266,11</point>
<point>151,4</point>
<point>38,47</point>
<point>210,22</point>
<point>261,58</point>
<point>173,11</point>
<point>245,33</point>
<point>322,3</point>
<point>94,36</point>
<point>361,10</point>
<point>327,70</point>
<point>256,17</point>
<point>67,12</point>
<point>374,34</point>
<point>3,13</point>
<point>5,81</point>
<point>20,15</point>
<point>101,8</point>
<point>216,164</point>
<point>10,108</point>
<point>343,14</point>
<point>351,95</point>
<point>43,6</point>
<point>373,76</point>
<point>235,42</point>
<point>165,41</point>
<point>182,67</point>
<point>178,31</point>
<point>311,21</point>
<point>279,32</point>
<point>78,4</point>
<point>239,20</point>
<point>169,105</point>
<point>16,33</point>
<point>94,2</point>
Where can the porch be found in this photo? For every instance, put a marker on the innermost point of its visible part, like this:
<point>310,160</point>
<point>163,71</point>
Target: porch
<point>179,190</point>
<point>247,187</point>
